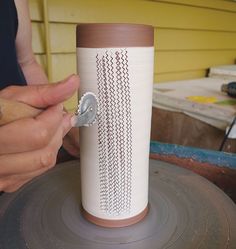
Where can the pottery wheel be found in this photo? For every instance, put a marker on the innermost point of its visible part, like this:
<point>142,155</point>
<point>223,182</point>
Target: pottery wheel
<point>185,211</point>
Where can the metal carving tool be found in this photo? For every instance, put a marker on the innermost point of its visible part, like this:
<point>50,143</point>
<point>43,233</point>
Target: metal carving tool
<point>87,111</point>
<point>85,115</point>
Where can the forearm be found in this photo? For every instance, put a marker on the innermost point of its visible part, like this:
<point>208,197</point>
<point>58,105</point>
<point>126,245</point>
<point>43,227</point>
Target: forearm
<point>34,73</point>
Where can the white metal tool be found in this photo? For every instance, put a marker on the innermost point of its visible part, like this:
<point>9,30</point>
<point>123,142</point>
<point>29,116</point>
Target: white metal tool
<point>86,113</point>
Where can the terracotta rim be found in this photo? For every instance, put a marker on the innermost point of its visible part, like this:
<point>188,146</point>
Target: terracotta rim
<point>103,35</point>
<point>114,223</point>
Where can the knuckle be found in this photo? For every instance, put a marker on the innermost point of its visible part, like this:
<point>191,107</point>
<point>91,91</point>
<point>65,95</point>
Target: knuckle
<point>48,159</point>
<point>40,93</point>
<point>42,136</point>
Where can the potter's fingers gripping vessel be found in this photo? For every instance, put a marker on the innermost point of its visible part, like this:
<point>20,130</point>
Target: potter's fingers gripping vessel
<point>86,113</point>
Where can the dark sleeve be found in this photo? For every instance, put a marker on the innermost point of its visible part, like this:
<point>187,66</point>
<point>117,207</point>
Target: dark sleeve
<point>10,70</point>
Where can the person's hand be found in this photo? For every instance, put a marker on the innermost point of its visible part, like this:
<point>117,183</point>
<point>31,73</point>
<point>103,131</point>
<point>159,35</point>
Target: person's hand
<point>29,146</point>
<point>71,142</point>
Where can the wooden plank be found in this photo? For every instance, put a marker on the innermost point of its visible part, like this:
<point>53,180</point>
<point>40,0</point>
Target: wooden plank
<point>210,4</point>
<point>158,14</point>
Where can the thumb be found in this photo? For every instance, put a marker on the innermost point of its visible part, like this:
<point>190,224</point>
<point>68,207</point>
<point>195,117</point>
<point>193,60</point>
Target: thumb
<point>43,95</point>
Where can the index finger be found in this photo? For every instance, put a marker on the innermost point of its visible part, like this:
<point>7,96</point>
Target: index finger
<point>44,95</point>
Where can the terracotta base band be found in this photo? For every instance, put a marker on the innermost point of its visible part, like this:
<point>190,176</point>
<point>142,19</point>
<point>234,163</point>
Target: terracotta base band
<point>114,223</point>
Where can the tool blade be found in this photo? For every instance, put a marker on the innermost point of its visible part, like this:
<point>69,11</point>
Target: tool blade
<point>87,111</point>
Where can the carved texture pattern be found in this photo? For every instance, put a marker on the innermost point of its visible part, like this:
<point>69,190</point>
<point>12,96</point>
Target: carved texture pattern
<point>114,131</point>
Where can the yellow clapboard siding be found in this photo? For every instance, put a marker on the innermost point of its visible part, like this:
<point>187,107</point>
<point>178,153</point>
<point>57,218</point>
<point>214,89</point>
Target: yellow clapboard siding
<point>174,61</point>
<point>190,35</point>
<point>59,62</point>
<point>41,59</point>
<point>168,65</point>
<point>165,62</point>
<point>63,39</point>
<point>72,103</point>
<point>63,65</point>
<point>161,78</point>
<point>38,37</point>
<point>173,39</point>
<point>158,14</point>
<point>36,10</point>
<point>211,4</point>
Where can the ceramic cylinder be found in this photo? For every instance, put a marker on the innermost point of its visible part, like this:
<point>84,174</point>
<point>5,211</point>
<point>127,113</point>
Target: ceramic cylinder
<point>115,62</point>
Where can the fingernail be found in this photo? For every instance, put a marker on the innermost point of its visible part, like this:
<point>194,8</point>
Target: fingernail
<point>71,77</point>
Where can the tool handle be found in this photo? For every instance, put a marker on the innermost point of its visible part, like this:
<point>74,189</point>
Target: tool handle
<point>229,88</point>
<point>11,110</point>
